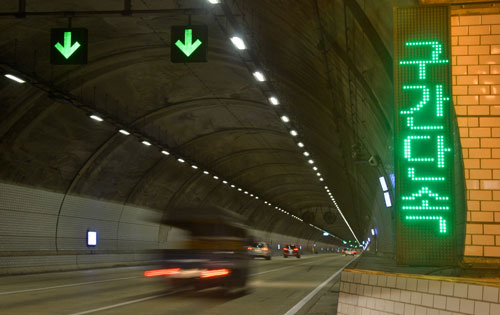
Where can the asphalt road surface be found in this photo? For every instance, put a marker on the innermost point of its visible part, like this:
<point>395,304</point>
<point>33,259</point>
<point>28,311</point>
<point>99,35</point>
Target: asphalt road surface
<point>279,286</point>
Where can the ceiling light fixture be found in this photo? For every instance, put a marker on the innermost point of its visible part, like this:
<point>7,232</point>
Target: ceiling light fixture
<point>383,183</point>
<point>273,100</point>
<point>14,78</point>
<point>285,118</point>
<point>95,117</point>
<point>259,76</point>
<point>124,132</point>
<point>294,133</point>
<point>146,143</point>
<point>165,152</point>
<point>238,42</point>
<point>387,198</point>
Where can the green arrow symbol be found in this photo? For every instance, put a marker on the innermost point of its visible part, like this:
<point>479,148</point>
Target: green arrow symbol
<point>188,47</point>
<point>67,50</point>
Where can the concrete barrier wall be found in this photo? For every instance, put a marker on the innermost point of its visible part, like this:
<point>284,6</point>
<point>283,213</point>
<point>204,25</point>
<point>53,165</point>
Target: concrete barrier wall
<point>374,293</point>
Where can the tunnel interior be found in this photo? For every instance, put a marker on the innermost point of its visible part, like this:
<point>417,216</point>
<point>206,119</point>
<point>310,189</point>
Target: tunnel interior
<point>214,135</point>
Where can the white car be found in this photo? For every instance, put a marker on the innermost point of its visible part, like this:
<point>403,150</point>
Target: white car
<point>259,249</point>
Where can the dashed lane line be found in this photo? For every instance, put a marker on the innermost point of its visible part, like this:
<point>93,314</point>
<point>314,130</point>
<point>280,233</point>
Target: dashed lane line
<point>67,285</point>
<point>173,292</point>
<point>125,303</point>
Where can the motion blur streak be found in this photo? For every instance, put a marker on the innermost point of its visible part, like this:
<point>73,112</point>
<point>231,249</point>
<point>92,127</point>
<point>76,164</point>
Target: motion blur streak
<point>161,272</point>
<point>214,273</point>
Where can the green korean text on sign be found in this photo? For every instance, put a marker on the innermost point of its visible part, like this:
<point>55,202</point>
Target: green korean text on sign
<point>189,43</point>
<point>68,46</point>
<point>425,209</point>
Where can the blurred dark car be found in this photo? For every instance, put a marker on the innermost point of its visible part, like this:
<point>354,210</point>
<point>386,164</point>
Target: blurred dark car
<point>259,249</point>
<point>291,250</point>
<point>215,255</point>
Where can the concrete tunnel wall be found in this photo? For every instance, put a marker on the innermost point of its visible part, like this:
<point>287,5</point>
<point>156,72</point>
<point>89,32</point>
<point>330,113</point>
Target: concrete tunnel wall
<point>46,231</point>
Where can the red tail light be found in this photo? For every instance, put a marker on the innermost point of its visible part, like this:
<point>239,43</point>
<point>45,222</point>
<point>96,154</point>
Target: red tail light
<point>249,248</point>
<point>214,273</point>
<point>162,272</point>
<point>265,249</point>
<point>296,249</point>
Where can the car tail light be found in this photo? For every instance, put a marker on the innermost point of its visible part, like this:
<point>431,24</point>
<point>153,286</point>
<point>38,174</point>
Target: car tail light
<point>249,248</point>
<point>162,272</point>
<point>265,248</point>
<point>214,273</point>
<point>296,249</point>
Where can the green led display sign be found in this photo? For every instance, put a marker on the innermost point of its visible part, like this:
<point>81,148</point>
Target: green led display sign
<point>424,150</point>
<point>189,43</point>
<point>68,46</point>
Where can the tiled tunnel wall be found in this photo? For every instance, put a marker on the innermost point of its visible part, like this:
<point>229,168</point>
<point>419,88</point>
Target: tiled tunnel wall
<point>368,292</point>
<point>476,95</point>
<point>33,220</point>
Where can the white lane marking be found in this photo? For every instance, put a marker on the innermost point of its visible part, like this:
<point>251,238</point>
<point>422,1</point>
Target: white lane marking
<point>125,303</point>
<point>66,285</point>
<point>308,297</point>
<point>169,293</point>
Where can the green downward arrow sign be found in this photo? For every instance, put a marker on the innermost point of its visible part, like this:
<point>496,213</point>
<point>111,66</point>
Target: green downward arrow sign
<point>188,47</point>
<point>67,50</point>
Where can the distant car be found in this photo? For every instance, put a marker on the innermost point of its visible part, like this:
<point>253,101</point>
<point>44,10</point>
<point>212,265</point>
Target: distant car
<point>291,250</point>
<point>349,252</point>
<point>355,251</point>
<point>259,249</point>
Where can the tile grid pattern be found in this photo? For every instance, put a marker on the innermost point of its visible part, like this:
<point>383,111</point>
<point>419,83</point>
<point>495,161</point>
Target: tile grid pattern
<point>476,95</point>
<point>371,294</point>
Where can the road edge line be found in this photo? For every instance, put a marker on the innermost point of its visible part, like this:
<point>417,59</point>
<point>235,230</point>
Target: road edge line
<point>308,297</point>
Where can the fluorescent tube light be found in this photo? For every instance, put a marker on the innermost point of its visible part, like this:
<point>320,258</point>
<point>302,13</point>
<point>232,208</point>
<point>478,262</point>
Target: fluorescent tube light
<point>95,117</point>
<point>387,197</point>
<point>14,78</point>
<point>383,183</point>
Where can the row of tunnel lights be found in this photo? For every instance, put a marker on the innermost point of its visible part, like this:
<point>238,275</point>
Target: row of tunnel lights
<point>194,166</point>
<point>144,141</point>
<point>240,44</point>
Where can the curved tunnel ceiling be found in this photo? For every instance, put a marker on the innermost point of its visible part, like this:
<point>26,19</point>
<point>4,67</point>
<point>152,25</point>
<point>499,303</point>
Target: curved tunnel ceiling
<point>331,73</point>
